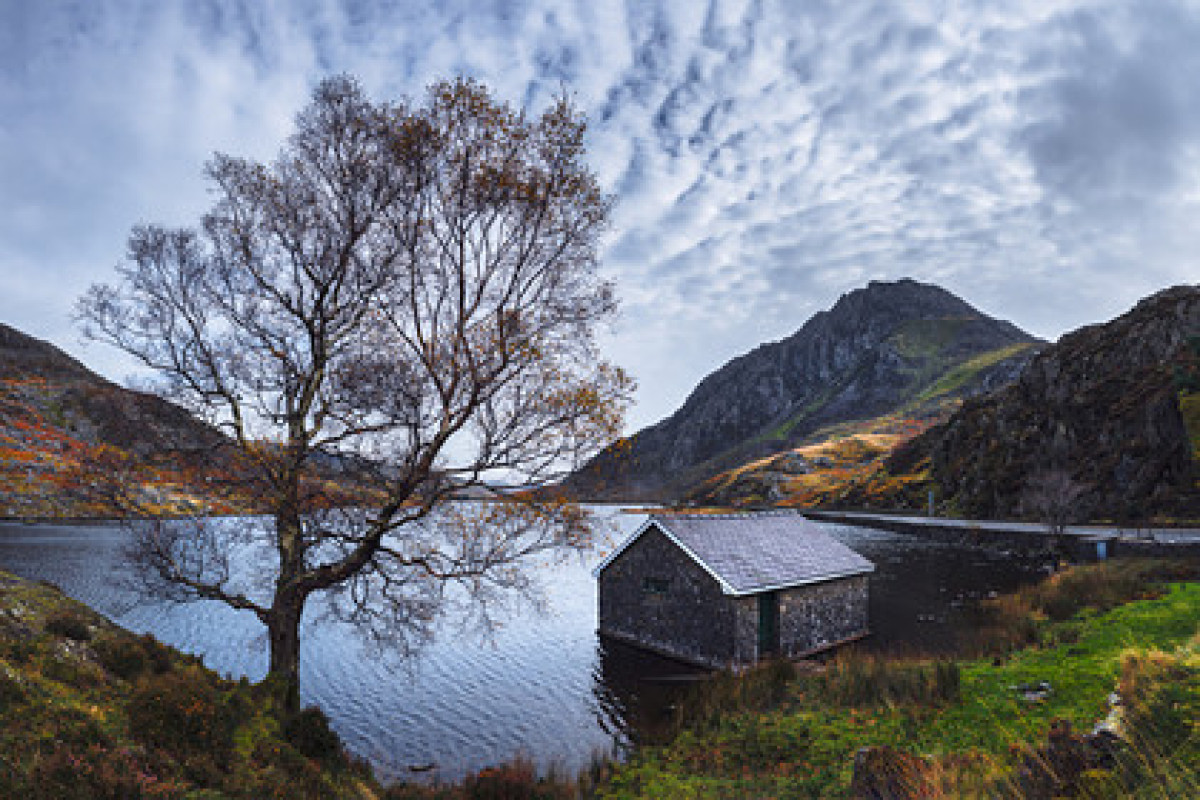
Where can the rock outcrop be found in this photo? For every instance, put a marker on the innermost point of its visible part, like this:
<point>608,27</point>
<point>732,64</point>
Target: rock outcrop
<point>1107,405</point>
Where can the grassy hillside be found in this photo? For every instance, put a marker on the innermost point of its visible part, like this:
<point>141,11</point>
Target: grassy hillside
<point>89,710</point>
<point>70,440</point>
<point>64,429</point>
<point>48,456</point>
<point>812,474</point>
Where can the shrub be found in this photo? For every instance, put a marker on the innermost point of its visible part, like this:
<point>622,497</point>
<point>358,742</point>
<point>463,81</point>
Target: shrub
<point>129,657</point>
<point>73,726</point>
<point>12,692</point>
<point>121,655</point>
<point>184,713</point>
<point>72,672</point>
<point>69,623</point>
<point>516,780</point>
<point>282,773</point>
<point>19,651</point>
<point>309,732</point>
<point>158,654</point>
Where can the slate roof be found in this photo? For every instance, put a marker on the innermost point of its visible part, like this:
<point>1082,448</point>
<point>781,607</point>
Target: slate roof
<point>752,553</point>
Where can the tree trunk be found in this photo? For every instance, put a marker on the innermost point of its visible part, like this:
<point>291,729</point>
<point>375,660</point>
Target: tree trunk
<point>283,629</point>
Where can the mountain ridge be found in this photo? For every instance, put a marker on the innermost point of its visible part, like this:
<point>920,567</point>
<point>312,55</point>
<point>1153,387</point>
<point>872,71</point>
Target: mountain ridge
<point>875,347</point>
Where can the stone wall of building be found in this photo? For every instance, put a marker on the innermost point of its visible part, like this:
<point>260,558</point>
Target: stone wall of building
<point>656,596</point>
<point>745,629</point>
<point>811,618</point>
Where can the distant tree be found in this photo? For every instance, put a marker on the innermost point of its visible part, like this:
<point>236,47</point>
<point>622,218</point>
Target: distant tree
<point>406,296</point>
<point>1053,496</point>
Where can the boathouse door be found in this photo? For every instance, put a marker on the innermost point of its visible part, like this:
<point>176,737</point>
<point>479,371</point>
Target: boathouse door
<point>768,624</point>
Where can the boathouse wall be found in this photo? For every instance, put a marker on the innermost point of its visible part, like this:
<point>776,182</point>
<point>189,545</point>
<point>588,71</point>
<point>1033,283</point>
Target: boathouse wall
<point>812,617</point>
<point>655,596</point>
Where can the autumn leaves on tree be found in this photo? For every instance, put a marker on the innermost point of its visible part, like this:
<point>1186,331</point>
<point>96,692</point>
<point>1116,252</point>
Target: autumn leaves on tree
<point>406,297</point>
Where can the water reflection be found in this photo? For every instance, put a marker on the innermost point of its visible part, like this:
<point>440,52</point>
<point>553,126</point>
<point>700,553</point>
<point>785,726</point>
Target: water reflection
<point>636,691</point>
<point>544,686</point>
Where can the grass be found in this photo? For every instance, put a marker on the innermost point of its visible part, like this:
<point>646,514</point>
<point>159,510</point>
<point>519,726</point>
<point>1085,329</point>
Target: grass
<point>926,338</point>
<point>961,374</point>
<point>959,729</point>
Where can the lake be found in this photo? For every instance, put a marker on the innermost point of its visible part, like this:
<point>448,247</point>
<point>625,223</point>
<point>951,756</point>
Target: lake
<point>542,686</point>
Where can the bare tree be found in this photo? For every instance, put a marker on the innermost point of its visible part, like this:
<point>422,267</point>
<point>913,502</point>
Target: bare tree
<point>406,297</point>
<point>1053,496</point>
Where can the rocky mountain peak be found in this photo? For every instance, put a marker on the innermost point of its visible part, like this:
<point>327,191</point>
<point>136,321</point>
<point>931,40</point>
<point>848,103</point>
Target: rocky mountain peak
<point>904,297</point>
<point>876,349</point>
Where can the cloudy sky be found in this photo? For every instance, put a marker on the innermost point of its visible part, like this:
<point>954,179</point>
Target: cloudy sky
<point>1041,158</point>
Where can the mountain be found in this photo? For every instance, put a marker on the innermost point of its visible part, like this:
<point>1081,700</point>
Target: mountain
<point>886,348</point>
<point>1114,409</point>
<point>57,417</point>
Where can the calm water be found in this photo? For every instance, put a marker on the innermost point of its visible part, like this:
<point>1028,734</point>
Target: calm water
<point>543,685</point>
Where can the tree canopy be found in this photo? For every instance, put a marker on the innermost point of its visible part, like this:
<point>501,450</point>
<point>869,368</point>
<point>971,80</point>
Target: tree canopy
<point>406,298</point>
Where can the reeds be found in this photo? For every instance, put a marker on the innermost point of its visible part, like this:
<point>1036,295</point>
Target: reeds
<point>517,779</point>
<point>727,694</point>
<point>860,680</point>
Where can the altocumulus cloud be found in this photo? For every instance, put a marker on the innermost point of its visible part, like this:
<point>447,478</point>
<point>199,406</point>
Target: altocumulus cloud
<point>1040,157</point>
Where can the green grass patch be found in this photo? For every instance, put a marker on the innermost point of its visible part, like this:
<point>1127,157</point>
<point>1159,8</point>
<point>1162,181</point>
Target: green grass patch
<point>783,430</point>
<point>960,375</point>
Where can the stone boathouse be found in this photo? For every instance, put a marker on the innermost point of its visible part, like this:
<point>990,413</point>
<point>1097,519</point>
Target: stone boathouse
<point>730,589</point>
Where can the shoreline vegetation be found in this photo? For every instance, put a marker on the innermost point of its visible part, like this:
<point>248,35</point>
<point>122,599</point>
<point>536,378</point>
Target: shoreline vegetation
<point>92,711</point>
<point>1012,716</point>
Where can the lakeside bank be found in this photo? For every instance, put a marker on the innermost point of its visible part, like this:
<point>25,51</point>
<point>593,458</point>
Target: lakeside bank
<point>1013,719</point>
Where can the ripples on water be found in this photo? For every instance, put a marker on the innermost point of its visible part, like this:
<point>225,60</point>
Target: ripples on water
<point>542,685</point>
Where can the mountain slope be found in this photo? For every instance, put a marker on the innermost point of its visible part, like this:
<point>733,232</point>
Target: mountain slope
<point>880,349</point>
<point>57,417</point>
<point>1115,407</point>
